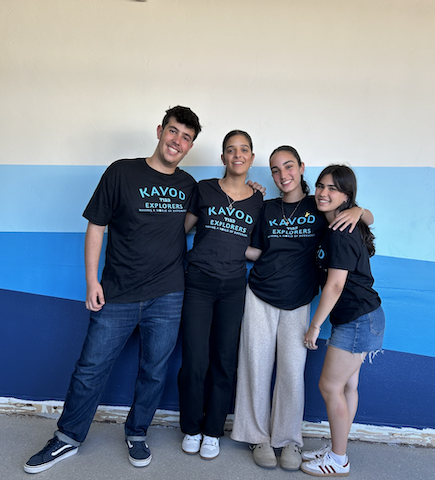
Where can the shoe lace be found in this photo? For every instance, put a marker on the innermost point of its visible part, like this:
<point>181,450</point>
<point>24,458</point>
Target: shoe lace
<point>210,441</point>
<point>319,452</point>
<point>51,444</point>
<point>137,443</point>
<point>325,460</point>
<point>324,449</point>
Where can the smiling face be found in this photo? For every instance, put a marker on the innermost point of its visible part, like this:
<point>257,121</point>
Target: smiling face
<point>328,197</point>
<point>237,156</point>
<point>287,174</point>
<point>175,141</point>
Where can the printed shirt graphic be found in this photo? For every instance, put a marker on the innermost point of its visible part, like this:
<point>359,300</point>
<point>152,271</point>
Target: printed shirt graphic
<point>145,211</point>
<point>286,275</point>
<point>345,251</point>
<point>223,231</point>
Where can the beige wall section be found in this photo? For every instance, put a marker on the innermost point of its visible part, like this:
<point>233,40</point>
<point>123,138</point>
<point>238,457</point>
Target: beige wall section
<point>87,81</point>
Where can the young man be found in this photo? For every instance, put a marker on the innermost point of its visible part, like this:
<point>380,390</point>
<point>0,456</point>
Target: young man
<point>143,202</point>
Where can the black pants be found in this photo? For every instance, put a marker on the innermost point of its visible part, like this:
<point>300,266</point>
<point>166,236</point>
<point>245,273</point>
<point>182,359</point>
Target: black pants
<point>210,326</point>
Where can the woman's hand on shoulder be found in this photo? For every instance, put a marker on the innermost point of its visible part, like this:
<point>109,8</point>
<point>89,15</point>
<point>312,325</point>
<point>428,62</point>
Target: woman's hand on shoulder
<point>256,187</point>
<point>351,217</point>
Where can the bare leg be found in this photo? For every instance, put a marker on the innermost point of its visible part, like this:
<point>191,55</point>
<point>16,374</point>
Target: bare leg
<point>351,394</point>
<point>339,374</point>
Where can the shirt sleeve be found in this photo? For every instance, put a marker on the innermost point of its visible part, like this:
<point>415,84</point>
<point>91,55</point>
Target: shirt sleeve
<point>342,253</point>
<point>194,201</point>
<point>257,236</point>
<point>100,207</point>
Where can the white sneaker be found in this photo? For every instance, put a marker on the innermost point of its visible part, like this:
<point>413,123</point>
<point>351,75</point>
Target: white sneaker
<point>191,444</point>
<point>309,455</point>
<point>326,467</point>
<point>209,447</point>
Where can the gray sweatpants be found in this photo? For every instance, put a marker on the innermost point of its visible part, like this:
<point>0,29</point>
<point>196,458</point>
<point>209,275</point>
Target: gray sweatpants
<point>269,333</point>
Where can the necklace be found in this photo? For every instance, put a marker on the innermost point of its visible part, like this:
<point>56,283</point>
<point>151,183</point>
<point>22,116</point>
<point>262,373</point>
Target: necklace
<point>287,220</point>
<point>230,201</point>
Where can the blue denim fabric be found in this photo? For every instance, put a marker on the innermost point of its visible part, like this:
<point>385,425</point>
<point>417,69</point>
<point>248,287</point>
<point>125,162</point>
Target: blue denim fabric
<point>108,331</point>
<point>365,334</point>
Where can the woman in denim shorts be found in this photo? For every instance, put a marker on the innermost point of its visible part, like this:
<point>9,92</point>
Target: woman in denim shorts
<point>356,316</point>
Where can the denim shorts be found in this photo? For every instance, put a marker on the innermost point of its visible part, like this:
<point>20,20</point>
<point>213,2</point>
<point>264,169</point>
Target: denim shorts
<point>365,334</point>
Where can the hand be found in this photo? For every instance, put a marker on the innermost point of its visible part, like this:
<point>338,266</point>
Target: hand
<point>351,216</point>
<point>253,253</point>
<point>94,297</point>
<point>256,187</point>
<point>311,337</point>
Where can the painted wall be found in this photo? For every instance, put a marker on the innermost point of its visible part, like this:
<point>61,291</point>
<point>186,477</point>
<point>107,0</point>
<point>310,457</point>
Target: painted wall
<point>86,82</point>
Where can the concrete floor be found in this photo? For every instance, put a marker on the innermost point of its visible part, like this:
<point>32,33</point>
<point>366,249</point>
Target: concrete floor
<point>104,456</point>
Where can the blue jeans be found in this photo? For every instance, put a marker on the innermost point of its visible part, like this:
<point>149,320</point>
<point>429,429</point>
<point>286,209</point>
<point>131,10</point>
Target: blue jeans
<point>109,329</point>
<point>365,334</point>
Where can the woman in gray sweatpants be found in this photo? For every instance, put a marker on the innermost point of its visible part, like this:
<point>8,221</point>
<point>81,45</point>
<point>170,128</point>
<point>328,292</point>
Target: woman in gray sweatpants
<point>282,283</point>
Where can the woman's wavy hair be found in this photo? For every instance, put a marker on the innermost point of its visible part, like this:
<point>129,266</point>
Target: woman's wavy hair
<point>294,152</point>
<point>345,181</point>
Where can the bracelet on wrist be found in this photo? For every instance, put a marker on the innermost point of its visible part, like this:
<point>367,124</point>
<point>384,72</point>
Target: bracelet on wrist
<point>316,326</point>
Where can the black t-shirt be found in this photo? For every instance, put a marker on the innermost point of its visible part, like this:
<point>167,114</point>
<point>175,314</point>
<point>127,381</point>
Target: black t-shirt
<point>145,211</point>
<point>223,232</point>
<point>345,251</point>
<point>285,275</point>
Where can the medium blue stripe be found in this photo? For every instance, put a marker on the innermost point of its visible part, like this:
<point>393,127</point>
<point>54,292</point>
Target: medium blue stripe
<point>52,264</point>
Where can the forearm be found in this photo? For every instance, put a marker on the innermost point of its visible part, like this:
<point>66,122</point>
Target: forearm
<point>93,244</point>
<point>328,300</point>
<point>367,217</point>
<point>331,292</point>
<point>253,253</point>
<point>190,221</point>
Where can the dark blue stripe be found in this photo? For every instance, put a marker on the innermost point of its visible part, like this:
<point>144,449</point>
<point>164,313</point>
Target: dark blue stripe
<point>41,339</point>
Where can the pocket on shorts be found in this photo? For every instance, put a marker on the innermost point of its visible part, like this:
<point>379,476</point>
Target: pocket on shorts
<point>377,321</point>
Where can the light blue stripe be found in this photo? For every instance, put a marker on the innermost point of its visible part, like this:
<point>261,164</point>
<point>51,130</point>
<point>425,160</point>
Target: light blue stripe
<point>52,199</point>
<point>45,198</point>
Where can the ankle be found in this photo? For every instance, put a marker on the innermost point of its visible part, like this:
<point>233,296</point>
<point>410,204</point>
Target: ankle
<point>340,459</point>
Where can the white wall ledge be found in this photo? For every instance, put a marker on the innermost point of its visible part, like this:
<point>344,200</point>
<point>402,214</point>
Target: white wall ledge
<point>365,433</point>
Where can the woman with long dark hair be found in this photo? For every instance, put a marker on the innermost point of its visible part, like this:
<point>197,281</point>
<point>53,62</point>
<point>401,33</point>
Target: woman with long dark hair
<point>282,284</point>
<point>355,312</point>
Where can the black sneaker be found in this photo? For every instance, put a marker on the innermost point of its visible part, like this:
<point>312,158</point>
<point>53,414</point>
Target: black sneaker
<point>53,452</point>
<point>139,453</point>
